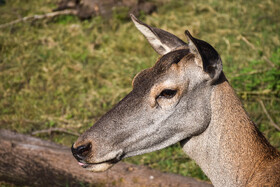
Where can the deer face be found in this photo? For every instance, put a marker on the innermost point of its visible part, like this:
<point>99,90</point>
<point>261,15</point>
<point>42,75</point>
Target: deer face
<point>170,102</point>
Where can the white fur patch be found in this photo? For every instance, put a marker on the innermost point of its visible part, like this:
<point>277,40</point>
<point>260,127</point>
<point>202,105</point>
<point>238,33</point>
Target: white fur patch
<point>152,38</point>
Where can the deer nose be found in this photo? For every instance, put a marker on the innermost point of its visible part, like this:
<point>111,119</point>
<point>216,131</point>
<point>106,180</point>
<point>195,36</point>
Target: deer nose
<point>81,151</point>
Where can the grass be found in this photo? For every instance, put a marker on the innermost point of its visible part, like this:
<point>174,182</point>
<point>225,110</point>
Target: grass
<point>67,73</point>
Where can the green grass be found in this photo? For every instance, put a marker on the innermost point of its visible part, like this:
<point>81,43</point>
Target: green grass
<point>67,73</point>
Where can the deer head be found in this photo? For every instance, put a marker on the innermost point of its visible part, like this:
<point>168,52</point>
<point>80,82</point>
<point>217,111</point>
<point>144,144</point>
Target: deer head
<point>169,102</point>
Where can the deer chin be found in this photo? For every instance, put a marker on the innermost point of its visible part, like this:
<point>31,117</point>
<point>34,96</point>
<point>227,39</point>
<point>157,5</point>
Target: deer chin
<point>100,167</point>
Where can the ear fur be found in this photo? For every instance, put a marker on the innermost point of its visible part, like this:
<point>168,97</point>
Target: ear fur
<point>211,61</point>
<point>162,41</point>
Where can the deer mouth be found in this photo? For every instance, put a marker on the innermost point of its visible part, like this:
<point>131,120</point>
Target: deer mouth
<point>96,167</point>
<point>99,167</point>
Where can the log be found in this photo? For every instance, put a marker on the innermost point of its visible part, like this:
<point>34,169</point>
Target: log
<point>105,8</point>
<point>26,160</point>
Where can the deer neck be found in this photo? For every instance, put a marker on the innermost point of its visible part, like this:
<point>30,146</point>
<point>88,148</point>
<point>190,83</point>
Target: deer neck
<point>231,147</point>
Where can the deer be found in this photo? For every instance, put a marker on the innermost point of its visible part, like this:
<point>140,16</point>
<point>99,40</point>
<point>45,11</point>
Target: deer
<point>185,97</point>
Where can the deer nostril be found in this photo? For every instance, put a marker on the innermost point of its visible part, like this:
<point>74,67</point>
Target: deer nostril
<point>84,149</point>
<point>81,152</point>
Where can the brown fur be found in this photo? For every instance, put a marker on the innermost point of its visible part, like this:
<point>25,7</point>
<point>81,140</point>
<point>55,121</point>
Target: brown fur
<point>255,160</point>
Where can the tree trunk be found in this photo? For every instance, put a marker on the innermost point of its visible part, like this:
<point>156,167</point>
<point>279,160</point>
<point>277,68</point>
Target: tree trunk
<point>25,160</point>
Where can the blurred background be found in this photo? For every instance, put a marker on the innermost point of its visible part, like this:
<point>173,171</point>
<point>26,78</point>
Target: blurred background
<point>61,73</point>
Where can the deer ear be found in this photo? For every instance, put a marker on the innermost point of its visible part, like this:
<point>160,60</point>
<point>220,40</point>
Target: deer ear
<point>208,57</point>
<point>163,42</point>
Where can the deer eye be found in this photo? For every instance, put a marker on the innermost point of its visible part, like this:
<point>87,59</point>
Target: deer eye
<point>167,93</point>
